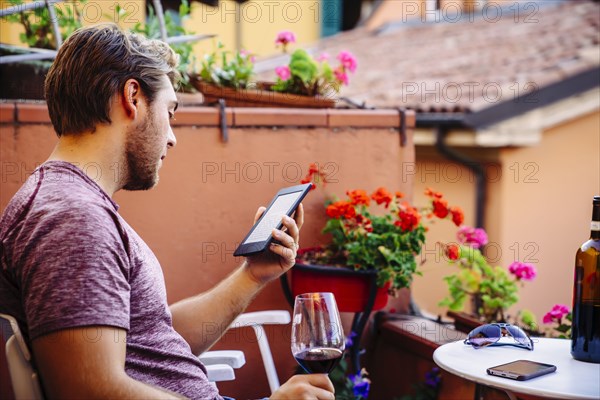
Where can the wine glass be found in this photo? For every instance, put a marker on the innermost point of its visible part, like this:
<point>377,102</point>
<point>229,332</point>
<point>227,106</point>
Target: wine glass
<point>317,334</point>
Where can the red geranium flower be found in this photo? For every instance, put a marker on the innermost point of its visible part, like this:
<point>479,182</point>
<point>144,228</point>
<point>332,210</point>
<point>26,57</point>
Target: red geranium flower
<point>452,251</point>
<point>381,195</point>
<point>436,195</point>
<point>440,208</point>
<point>358,197</point>
<point>341,209</point>
<point>408,217</point>
<point>457,215</point>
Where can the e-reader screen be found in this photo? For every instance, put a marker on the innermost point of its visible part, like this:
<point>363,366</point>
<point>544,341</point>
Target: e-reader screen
<point>273,215</point>
<point>284,203</point>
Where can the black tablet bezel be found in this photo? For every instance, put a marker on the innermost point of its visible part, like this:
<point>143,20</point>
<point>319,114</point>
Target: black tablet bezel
<point>246,249</point>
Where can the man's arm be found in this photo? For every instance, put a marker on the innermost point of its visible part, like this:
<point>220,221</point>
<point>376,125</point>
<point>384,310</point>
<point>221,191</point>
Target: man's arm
<point>89,362</point>
<point>203,319</point>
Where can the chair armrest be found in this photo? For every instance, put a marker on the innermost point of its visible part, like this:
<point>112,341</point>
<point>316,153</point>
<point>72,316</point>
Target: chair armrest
<point>270,317</point>
<point>232,358</point>
<point>219,373</point>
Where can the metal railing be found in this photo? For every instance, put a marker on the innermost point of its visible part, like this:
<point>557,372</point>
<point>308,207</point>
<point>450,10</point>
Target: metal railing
<point>45,54</point>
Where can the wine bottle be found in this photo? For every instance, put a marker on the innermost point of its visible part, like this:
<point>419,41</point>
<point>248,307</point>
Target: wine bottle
<point>585,331</point>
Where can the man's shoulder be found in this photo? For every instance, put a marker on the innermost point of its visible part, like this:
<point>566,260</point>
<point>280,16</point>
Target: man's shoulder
<point>57,194</point>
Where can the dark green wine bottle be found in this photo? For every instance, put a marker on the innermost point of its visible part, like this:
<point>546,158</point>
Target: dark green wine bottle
<point>585,333</point>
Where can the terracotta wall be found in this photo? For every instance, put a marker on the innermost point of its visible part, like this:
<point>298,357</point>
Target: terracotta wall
<point>209,191</point>
<point>538,210</point>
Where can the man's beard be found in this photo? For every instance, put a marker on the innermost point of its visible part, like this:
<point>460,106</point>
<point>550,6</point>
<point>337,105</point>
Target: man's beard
<point>142,168</point>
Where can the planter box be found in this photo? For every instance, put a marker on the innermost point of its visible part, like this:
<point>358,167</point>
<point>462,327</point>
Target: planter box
<point>259,97</point>
<point>350,288</point>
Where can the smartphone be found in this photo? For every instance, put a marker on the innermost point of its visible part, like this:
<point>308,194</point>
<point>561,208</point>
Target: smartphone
<point>521,370</point>
<point>285,202</point>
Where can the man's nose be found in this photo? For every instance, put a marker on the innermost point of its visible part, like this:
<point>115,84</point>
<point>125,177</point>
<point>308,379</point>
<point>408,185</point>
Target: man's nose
<point>171,139</point>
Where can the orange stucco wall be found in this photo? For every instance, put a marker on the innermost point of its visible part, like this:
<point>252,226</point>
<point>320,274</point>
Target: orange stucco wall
<point>208,194</point>
<point>538,210</point>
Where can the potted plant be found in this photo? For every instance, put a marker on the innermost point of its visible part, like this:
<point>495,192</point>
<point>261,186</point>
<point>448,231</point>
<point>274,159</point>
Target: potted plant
<point>25,79</point>
<point>367,247</point>
<point>303,82</point>
<point>490,290</point>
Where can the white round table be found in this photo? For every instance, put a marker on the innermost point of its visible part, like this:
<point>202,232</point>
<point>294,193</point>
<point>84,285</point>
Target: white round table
<point>572,380</point>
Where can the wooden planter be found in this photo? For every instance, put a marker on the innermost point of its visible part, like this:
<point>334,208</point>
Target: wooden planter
<point>464,322</point>
<point>22,80</point>
<point>350,288</point>
<point>258,96</point>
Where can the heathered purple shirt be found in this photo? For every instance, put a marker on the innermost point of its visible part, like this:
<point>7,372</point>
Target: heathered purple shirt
<point>69,260</point>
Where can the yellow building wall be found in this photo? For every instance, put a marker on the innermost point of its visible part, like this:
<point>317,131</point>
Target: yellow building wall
<point>538,210</point>
<point>91,12</point>
<point>255,23</point>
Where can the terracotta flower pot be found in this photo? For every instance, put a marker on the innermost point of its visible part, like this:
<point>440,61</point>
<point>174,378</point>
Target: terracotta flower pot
<point>258,96</point>
<point>350,288</point>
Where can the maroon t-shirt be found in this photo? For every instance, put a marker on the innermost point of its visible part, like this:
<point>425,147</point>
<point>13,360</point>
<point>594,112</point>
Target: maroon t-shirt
<point>69,260</point>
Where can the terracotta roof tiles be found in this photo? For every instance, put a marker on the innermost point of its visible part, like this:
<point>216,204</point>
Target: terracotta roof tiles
<point>471,64</point>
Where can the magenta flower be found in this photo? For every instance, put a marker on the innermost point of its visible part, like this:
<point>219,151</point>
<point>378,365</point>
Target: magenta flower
<point>283,72</point>
<point>556,314</point>
<point>341,76</point>
<point>323,57</point>
<point>284,38</point>
<point>348,60</point>
<point>523,271</point>
<point>474,237</point>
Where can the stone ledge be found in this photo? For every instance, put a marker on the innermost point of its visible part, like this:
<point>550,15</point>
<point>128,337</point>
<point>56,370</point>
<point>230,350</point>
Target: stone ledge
<point>242,116</point>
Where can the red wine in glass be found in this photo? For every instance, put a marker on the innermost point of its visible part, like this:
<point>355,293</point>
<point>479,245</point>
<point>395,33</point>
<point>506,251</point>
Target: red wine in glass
<point>318,360</point>
<point>317,335</point>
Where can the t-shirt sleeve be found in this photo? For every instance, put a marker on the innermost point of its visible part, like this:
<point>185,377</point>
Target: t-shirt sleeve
<point>75,269</point>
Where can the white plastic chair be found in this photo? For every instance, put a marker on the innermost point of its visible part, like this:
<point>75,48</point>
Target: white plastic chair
<point>256,320</point>
<point>219,364</point>
<point>25,380</point>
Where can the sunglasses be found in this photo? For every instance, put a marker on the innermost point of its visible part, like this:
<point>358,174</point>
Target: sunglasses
<point>490,335</point>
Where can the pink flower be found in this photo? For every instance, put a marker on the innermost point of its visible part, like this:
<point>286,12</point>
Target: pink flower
<point>556,314</point>
<point>474,237</point>
<point>347,60</point>
<point>323,57</point>
<point>248,55</point>
<point>341,76</point>
<point>283,72</point>
<point>284,38</point>
<point>523,271</point>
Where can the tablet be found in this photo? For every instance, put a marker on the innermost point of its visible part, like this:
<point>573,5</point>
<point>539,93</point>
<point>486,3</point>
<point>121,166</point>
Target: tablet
<point>285,202</point>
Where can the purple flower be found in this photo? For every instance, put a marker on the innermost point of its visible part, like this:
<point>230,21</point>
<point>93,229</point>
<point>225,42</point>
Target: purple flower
<point>349,339</point>
<point>474,237</point>
<point>433,378</point>
<point>361,384</point>
<point>348,60</point>
<point>283,72</point>
<point>523,271</point>
<point>285,37</point>
<point>556,314</point>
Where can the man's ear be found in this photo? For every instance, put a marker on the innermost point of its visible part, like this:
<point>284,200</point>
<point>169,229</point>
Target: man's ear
<point>131,98</point>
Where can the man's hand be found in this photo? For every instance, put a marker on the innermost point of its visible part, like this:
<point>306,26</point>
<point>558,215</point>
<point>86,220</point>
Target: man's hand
<point>281,257</point>
<point>306,387</point>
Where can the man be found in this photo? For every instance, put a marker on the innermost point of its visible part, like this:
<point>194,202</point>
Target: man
<point>86,290</point>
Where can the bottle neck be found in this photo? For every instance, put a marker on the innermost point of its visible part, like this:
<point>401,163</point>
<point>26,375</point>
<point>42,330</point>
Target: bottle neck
<point>595,233</point>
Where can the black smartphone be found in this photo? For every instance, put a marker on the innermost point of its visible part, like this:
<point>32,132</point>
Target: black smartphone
<point>285,202</point>
<point>521,370</point>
